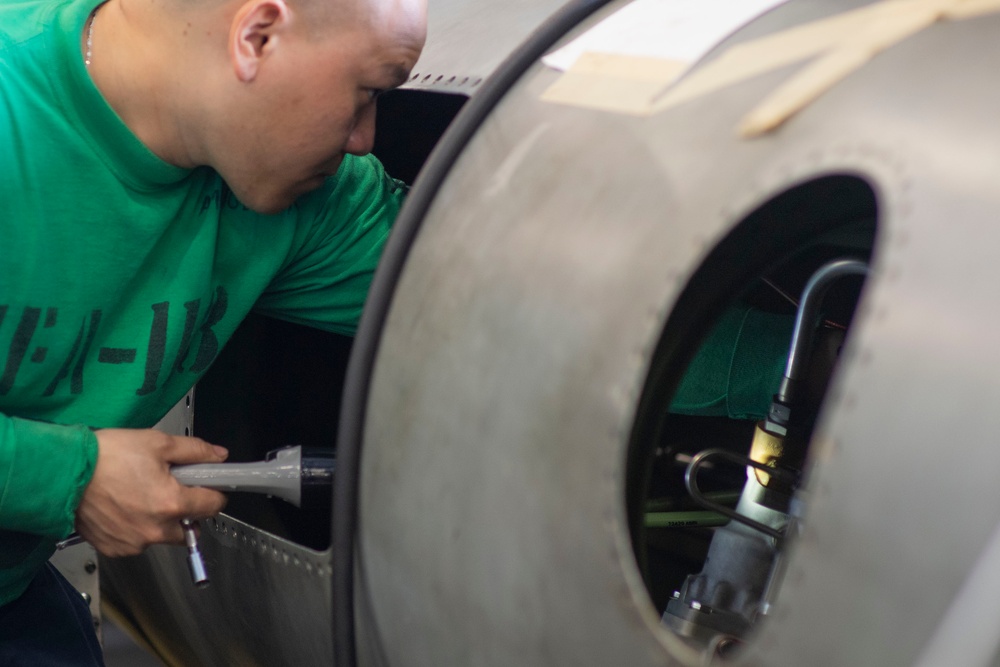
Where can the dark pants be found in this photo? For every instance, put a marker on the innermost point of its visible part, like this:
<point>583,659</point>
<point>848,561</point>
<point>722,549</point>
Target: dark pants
<point>48,626</point>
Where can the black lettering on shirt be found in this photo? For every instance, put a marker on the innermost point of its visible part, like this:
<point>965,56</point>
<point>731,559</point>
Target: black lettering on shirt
<point>157,348</point>
<point>116,355</point>
<point>220,198</point>
<point>18,347</point>
<point>209,345</point>
<point>76,384</point>
<point>84,339</point>
<point>190,319</point>
<point>201,339</point>
<point>51,316</point>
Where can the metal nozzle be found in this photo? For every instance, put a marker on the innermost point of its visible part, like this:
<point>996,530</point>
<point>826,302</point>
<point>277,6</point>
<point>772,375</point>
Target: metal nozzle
<point>199,575</point>
<point>300,477</point>
<point>279,475</point>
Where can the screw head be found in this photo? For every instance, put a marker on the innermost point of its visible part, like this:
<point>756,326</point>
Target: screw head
<point>727,647</point>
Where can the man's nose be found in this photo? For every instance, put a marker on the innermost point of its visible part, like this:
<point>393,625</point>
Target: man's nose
<point>362,137</point>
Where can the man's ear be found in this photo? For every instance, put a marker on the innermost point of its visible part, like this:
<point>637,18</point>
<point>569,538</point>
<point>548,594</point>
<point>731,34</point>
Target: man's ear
<point>254,33</point>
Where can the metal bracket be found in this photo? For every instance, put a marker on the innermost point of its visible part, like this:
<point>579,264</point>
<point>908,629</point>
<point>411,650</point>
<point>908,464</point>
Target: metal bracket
<point>691,481</point>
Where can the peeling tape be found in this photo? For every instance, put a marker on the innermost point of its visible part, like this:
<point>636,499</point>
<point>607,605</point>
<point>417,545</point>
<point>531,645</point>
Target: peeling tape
<point>838,46</point>
<point>612,82</point>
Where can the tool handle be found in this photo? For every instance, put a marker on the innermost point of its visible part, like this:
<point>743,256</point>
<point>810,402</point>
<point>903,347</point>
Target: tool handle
<point>280,475</point>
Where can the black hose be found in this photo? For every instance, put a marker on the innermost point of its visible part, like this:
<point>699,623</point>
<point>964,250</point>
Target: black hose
<point>359,369</point>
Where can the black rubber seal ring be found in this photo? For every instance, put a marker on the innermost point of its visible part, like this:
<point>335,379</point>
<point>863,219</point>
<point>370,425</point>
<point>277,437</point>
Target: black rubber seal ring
<point>359,369</point>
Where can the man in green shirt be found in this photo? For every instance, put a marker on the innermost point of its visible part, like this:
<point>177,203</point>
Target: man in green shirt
<point>169,166</point>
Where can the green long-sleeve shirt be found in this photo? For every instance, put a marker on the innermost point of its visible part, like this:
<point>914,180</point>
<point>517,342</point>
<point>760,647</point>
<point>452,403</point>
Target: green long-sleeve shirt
<point>121,276</point>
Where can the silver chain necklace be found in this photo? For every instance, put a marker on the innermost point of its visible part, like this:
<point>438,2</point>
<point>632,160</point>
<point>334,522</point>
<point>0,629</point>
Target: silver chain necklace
<point>90,35</point>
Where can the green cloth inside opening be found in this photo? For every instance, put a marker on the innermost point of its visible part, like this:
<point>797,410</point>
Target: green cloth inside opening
<point>739,366</point>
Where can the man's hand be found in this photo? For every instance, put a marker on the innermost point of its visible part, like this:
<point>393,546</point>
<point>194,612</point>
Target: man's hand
<point>133,501</point>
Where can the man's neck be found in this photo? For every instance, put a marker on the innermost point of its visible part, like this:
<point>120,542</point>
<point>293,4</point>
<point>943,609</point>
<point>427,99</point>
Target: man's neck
<point>138,66</point>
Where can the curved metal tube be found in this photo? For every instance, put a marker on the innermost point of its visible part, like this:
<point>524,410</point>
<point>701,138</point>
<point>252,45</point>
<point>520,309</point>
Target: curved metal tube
<point>691,482</point>
<point>805,319</point>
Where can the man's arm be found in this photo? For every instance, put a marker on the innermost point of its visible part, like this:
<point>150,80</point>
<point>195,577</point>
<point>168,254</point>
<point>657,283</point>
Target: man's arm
<point>342,231</point>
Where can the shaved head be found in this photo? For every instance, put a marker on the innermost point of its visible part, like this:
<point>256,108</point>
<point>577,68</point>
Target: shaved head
<point>272,94</point>
<point>323,16</point>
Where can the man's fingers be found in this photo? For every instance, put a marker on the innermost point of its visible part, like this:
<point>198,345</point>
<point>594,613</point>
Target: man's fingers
<point>199,503</point>
<point>173,534</point>
<point>182,449</point>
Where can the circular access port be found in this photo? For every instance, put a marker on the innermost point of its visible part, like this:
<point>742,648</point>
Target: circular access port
<point>737,383</point>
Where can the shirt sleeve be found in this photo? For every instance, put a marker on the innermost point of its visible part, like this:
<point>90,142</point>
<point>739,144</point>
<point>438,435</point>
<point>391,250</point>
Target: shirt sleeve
<point>44,469</point>
<point>344,227</point>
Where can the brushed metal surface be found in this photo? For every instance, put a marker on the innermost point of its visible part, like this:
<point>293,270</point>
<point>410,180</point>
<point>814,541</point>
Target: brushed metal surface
<point>268,602</point>
<point>525,321</point>
<point>468,39</point>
